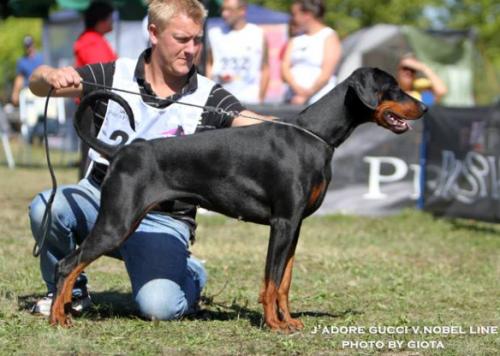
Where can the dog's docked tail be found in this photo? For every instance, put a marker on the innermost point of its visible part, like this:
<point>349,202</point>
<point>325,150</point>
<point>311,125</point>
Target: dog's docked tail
<point>85,130</point>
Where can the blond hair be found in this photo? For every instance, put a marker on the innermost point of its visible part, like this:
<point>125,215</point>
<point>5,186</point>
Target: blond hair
<point>160,12</point>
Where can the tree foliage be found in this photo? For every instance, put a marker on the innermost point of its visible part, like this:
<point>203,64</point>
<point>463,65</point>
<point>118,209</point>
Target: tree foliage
<point>12,32</point>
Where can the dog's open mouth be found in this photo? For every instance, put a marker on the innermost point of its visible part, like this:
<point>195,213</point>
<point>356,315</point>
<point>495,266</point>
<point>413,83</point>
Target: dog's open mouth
<point>395,123</point>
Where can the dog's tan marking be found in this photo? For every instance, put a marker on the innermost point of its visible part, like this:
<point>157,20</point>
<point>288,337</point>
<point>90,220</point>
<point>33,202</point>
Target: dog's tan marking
<point>59,312</point>
<point>283,293</point>
<point>316,192</point>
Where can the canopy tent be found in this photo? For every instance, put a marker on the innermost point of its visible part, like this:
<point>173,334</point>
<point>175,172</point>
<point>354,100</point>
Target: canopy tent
<point>448,53</point>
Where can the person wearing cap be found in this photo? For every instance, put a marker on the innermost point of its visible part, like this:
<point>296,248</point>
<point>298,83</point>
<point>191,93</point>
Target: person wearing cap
<point>24,67</point>
<point>408,69</point>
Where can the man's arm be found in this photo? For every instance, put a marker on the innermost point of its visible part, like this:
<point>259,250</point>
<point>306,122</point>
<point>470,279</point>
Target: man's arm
<point>16,89</point>
<point>65,81</point>
<point>220,98</point>
<point>265,74</point>
<point>245,118</point>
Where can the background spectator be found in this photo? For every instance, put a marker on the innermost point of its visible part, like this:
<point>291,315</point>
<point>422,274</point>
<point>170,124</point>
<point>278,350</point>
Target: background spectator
<point>311,58</point>
<point>25,66</point>
<point>408,68</point>
<point>92,47</point>
<point>237,56</point>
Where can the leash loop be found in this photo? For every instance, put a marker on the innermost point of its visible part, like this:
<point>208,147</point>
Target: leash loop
<point>47,215</point>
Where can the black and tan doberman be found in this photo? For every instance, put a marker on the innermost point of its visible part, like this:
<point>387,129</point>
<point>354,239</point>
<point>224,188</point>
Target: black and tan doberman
<point>269,174</point>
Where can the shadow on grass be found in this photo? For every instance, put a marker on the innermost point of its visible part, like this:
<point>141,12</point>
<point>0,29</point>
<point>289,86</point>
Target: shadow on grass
<point>234,311</point>
<point>473,226</point>
<point>113,304</point>
<point>105,305</point>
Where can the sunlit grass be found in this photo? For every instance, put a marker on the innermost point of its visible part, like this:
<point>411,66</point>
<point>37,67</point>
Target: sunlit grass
<point>405,270</point>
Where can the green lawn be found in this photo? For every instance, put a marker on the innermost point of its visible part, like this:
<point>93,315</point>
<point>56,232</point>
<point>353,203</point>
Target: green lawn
<point>407,270</point>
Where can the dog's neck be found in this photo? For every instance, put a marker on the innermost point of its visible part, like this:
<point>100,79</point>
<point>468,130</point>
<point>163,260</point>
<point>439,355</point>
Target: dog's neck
<point>332,118</point>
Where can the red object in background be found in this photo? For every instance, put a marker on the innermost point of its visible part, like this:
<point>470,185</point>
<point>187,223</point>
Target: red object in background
<point>92,47</point>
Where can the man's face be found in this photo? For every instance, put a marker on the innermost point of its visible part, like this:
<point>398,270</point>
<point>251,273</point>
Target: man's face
<point>232,12</point>
<point>108,24</point>
<point>179,44</point>
<point>29,50</point>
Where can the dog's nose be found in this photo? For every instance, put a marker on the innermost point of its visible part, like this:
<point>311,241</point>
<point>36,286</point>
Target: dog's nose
<point>424,107</point>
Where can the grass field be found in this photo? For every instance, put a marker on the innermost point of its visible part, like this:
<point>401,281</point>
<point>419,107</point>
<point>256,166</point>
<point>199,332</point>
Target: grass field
<point>409,270</point>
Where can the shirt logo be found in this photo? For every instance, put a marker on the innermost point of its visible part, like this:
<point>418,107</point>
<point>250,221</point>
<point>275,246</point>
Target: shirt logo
<point>179,131</point>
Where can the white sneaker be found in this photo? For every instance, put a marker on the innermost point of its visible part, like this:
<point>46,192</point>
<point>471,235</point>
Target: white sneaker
<point>80,303</point>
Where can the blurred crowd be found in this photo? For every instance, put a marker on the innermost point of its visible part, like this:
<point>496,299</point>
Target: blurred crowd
<point>237,55</point>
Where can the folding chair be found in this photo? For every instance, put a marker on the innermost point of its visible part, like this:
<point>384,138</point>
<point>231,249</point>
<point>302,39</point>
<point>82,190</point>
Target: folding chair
<point>4,133</point>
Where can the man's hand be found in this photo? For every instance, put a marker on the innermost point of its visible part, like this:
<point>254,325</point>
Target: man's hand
<point>61,78</point>
<point>66,81</point>
<point>298,100</point>
<point>412,63</point>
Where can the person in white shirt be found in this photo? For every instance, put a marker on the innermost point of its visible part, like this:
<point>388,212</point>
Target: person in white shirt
<point>310,59</point>
<point>237,57</point>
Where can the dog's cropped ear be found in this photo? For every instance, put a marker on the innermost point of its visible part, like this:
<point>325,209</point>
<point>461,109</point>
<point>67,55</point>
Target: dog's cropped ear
<point>363,85</point>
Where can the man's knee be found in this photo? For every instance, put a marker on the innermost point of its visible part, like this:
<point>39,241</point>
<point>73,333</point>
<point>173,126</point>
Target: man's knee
<point>37,210</point>
<point>161,299</point>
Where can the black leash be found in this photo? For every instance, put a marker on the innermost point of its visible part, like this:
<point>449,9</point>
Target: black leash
<point>47,215</point>
<point>215,110</point>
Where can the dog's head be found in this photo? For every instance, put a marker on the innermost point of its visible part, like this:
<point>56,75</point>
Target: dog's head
<point>389,105</point>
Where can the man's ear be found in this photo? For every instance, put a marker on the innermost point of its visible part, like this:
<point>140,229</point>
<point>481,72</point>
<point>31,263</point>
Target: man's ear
<point>153,33</point>
<point>364,88</point>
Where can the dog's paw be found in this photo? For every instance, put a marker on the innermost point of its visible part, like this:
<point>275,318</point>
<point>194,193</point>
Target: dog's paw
<point>61,320</point>
<point>295,324</point>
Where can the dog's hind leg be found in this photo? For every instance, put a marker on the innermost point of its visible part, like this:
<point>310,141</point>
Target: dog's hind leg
<point>278,274</point>
<point>97,243</point>
<point>61,304</point>
<point>117,220</point>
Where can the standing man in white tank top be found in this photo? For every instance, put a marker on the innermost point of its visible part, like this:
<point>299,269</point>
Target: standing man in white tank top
<point>237,57</point>
<point>311,58</point>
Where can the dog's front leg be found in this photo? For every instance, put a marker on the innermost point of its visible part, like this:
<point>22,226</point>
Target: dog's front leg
<point>283,302</point>
<point>278,274</point>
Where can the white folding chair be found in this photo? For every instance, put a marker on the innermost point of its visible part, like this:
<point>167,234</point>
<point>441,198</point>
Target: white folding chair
<point>4,133</point>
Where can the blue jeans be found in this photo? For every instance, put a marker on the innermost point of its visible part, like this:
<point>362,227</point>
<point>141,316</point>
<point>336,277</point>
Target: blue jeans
<point>166,280</point>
